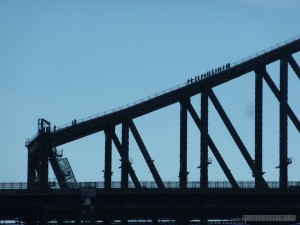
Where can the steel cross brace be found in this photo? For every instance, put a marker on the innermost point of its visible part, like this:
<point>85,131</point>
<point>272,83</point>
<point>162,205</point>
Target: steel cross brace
<point>276,92</point>
<point>294,65</point>
<point>213,147</point>
<point>146,155</point>
<point>237,138</point>
<point>126,161</point>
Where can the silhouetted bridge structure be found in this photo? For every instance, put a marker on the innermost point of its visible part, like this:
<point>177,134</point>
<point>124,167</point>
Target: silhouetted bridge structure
<point>40,201</point>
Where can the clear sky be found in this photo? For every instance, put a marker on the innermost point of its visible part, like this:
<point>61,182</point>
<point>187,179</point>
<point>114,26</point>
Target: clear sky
<point>62,60</point>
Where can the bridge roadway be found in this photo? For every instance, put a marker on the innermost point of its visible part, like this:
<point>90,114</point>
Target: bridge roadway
<point>91,203</point>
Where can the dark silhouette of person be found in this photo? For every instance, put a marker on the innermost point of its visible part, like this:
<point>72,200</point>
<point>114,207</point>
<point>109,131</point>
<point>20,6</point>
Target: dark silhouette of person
<point>54,128</point>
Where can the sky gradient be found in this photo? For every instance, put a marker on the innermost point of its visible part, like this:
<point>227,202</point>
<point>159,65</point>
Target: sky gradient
<point>62,60</point>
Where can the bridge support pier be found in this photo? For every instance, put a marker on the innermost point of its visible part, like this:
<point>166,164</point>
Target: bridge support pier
<point>31,167</point>
<point>38,166</point>
<point>182,221</point>
<point>203,222</point>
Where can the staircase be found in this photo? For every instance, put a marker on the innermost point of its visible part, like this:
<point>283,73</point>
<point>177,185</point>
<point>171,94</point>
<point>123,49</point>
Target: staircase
<point>66,170</point>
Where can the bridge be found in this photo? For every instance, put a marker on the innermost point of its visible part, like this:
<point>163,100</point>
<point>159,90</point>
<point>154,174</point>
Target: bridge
<point>131,201</point>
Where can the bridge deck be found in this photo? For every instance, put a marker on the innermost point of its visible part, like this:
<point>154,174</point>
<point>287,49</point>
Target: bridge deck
<point>140,204</point>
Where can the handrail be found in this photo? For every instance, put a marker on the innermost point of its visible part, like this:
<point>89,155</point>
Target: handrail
<point>237,63</point>
<point>280,45</point>
<point>152,185</point>
<point>118,109</point>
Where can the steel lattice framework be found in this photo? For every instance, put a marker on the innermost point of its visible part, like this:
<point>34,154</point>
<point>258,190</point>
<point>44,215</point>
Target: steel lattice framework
<point>182,204</point>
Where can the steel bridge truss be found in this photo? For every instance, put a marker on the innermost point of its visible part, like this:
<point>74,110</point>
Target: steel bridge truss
<point>42,148</point>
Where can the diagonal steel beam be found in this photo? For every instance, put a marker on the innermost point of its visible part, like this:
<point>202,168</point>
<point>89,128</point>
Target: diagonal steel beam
<point>126,164</point>
<point>146,155</point>
<point>294,65</point>
<point>237,138</point>
<point>276,92</point>
<point>213,147</point>
<point>120,150</point>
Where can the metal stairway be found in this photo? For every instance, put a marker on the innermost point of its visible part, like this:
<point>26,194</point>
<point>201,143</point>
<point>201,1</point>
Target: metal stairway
<point>62,170</point>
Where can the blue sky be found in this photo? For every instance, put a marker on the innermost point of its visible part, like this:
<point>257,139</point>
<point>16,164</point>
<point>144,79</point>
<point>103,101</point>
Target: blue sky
<point>62,60</point>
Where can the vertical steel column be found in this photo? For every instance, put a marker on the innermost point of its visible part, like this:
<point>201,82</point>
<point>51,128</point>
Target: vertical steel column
<point>125,159</point>
<point>213,148</point>
<point>204,140</point>
<point>45,168</point>
<point>258,125</point>
<point>31,168</point>
<point>183,144</point>
<point>42,164</point>
<point>108,159</point>
<point>42,167</point>
<point>283,125</point>
<point>131,172</point>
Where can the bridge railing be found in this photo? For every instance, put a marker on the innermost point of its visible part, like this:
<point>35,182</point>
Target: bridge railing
<point>280,45</point>
<point>118,109</point>
<point>13,186</point>
<point>237,63</point>
<point>151,185</point>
